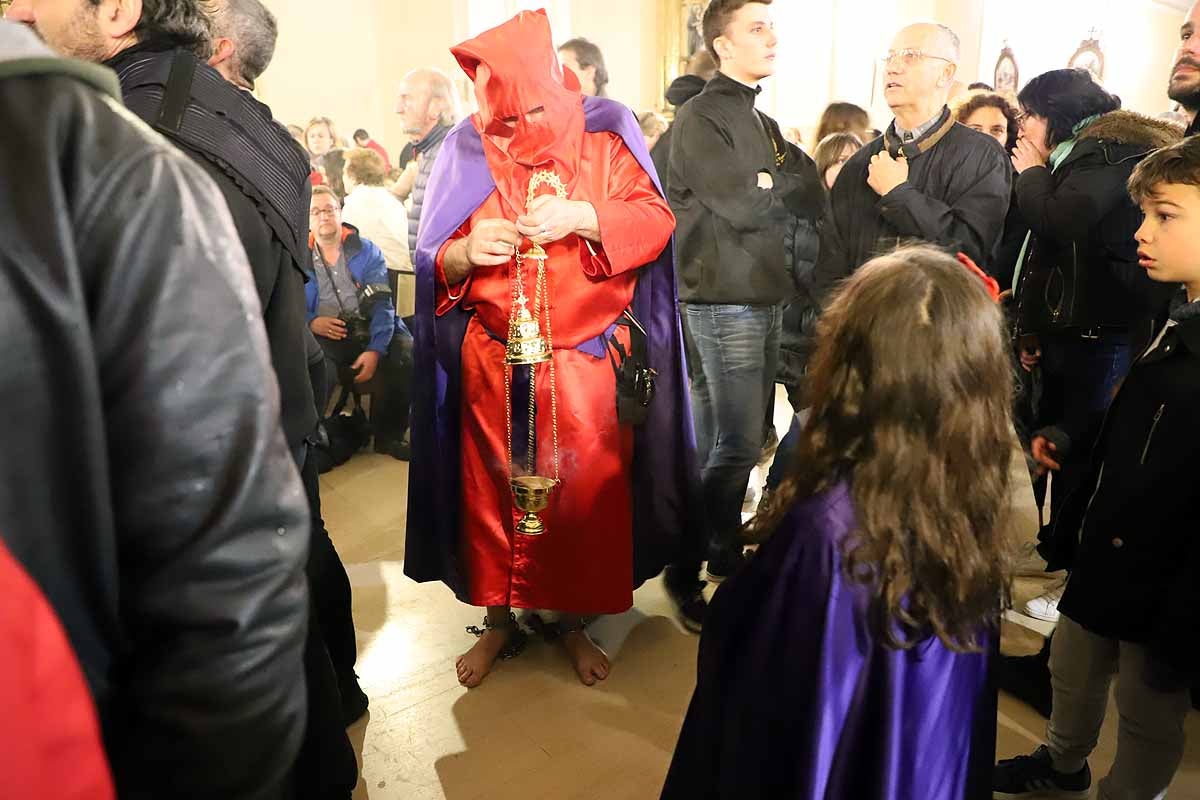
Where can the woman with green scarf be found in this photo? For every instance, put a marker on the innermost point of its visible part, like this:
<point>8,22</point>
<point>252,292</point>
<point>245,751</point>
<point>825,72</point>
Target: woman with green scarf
<point>1083,305</point>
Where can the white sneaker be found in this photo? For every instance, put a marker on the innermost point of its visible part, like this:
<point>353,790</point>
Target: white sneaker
<point>1045,607</point>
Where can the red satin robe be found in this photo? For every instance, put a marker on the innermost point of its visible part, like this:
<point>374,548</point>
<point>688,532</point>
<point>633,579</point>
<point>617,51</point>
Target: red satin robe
<point>583,563</point>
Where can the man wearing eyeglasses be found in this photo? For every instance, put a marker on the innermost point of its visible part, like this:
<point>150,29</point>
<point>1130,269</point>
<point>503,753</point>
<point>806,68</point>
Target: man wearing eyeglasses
<point>927,178</point>
<point>359,333</point>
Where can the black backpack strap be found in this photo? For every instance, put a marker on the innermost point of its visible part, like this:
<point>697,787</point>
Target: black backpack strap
<point>177,92</point>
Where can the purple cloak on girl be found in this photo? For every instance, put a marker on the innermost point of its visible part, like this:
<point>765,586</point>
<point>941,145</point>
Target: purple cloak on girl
<point>797,700</point>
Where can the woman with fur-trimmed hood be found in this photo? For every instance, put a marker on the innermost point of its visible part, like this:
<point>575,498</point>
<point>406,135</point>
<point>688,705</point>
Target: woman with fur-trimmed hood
<point>1084,306</point>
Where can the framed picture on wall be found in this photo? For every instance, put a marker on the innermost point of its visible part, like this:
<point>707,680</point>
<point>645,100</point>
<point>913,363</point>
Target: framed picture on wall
<point>695,28</point>
<point>1089,56</point>
<point>1007,77</point>
<point>684,36</point>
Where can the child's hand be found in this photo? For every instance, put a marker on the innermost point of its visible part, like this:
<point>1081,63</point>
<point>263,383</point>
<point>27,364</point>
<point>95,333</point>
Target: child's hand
<point>1044,452</point>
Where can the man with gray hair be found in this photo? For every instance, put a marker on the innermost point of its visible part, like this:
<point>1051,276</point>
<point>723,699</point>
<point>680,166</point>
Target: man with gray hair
<point>430,108</point>
<point>244,34</point>
<point>927,178</point>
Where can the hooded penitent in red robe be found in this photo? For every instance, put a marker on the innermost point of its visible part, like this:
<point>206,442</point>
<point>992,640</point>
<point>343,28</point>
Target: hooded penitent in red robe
<point>583,563</point>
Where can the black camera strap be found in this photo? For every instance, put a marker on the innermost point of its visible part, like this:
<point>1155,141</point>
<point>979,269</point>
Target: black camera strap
<point>337,293</point>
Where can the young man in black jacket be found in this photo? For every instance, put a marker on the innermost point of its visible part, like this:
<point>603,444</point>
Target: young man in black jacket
<point>733,183</point>
<point>1132,603</point>
<point>927,178</point>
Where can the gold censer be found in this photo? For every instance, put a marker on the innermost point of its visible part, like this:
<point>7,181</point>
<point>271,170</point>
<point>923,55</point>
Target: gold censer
<point>526,346</point>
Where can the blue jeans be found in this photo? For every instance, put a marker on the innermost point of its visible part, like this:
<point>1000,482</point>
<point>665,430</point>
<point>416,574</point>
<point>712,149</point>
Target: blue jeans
<point>732,352</point>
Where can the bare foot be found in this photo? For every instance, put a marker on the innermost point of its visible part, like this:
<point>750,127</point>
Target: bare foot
<point>475,664</point>
<point>589,660</point>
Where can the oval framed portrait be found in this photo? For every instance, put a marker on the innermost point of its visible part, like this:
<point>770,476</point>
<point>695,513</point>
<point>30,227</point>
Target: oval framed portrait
<point>1090,57</point>
<point>1007,77</point>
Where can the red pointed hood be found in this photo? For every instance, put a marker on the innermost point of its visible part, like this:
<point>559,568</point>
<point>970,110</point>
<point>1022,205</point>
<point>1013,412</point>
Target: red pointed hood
<point>530,108</point>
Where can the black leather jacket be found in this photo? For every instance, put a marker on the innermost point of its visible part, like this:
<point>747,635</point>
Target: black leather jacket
<point>1081,271</point>
<point>146,484</point>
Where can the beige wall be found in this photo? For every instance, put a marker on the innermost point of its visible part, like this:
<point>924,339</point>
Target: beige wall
<point>346,64</point>
<point>627,33</point>
<point>1138,37</point>
<point>829,50</point>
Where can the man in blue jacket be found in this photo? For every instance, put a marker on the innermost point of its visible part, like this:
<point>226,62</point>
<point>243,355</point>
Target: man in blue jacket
<point>356,333</point>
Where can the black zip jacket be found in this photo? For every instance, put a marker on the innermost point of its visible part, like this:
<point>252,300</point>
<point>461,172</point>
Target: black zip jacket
<point>1137,572</point>
<point>729,233</point>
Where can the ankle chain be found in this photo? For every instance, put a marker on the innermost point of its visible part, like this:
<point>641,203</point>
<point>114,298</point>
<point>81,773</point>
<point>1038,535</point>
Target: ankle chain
<point>516,637</point>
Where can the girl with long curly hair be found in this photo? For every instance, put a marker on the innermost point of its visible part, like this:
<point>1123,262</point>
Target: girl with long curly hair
<point>850,657</point>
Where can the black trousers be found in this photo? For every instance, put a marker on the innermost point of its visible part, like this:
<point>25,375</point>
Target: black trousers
<point>390,400</point>
<point>330,586</point>
<point>326,768</point>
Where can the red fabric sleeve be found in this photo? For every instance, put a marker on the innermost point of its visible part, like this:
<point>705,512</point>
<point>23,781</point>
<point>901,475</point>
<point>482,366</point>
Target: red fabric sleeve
<point>635,221</point>
<point>446,296</point>
<point>50,740</point>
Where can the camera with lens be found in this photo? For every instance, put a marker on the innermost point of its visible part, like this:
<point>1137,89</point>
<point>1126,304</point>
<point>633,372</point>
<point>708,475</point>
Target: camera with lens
<point>358,324</point>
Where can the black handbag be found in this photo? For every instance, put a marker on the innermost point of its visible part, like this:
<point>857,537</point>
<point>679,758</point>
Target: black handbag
<point>635,378</point>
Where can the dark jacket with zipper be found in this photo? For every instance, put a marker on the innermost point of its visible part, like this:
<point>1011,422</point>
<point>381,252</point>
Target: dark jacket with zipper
<point>729,233</point>
<point>1081,268</point>
<point>797,338</point>
<point>147,487</point>
<point>1137,571</point>
<point>956,197</point>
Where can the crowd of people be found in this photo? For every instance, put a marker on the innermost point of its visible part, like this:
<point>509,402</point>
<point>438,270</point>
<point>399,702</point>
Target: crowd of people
<point>571,320</point>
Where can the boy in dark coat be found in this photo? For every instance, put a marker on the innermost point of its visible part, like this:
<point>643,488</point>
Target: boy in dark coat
<point>1133,601</point>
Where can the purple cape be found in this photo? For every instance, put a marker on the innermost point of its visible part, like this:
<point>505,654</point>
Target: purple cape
<point>796,699</point>
<point>664,467</point>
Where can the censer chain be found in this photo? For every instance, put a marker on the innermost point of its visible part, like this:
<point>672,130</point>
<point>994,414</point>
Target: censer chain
<point>543,297</point>
<point>530,453</point>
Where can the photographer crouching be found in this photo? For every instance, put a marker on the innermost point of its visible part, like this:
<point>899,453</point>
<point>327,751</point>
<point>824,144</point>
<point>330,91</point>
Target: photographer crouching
<point>351,312</point>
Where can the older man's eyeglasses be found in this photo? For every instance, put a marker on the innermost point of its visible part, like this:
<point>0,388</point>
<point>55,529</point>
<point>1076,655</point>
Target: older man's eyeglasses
<point>909,57</point>
<point>323,212</point>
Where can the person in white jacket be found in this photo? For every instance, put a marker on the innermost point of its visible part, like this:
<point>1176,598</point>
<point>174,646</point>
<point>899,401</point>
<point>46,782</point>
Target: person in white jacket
<point>380,217</point>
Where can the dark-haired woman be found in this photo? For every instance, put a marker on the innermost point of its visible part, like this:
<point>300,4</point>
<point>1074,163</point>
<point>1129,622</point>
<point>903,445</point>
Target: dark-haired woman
<point>849,658</point>
<point>1083,305</point>
<point>993,115</point>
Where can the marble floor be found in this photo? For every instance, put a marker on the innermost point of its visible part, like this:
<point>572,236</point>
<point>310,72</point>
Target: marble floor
<point>532,731</point>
